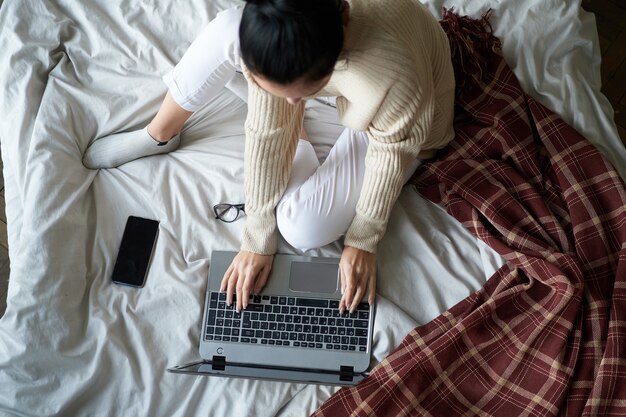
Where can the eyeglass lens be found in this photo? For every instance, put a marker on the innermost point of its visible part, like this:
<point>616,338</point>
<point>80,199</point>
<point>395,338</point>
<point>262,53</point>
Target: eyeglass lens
<point>226,212</point>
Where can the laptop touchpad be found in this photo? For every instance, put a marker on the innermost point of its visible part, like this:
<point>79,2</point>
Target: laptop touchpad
<point>314,277</point>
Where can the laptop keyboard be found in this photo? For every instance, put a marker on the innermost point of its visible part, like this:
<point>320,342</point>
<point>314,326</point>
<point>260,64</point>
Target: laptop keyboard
<point>288,321</point>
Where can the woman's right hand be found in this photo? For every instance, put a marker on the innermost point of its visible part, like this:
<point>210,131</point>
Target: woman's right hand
<point>246,275</point>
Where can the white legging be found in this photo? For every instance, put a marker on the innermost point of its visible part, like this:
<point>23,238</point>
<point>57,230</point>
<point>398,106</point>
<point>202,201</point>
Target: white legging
<point>320,200</point>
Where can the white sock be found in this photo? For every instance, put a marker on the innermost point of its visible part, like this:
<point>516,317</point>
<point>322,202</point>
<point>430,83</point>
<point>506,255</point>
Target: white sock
<point>114,150</point>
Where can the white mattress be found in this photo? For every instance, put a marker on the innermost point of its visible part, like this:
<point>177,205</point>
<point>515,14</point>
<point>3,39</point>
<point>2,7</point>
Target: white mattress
<point>74,344</point>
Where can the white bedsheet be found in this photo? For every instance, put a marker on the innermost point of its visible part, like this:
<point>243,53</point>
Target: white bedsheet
<point>72,343</point>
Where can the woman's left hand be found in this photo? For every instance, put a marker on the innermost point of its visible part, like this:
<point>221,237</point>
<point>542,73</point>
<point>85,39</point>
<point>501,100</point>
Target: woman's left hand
<point>358,275</point>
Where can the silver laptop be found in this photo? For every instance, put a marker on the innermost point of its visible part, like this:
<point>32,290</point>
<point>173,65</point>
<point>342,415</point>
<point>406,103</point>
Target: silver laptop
<point>293,331</point>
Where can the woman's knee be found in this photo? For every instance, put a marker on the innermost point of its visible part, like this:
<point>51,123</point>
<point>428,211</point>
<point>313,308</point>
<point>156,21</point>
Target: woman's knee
<point>304,229</point>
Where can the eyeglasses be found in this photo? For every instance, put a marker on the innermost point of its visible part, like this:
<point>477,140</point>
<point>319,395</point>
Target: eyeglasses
<point>228,213</point>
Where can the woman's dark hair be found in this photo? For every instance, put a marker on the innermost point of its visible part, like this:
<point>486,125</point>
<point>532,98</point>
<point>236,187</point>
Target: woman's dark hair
<point>287,40</point>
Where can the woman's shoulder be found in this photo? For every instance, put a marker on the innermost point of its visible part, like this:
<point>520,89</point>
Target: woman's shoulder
<point>391,12</point>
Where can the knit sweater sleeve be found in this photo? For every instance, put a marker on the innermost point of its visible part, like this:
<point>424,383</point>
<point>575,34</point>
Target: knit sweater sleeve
<point>396,135</point>
<point>272,127</point>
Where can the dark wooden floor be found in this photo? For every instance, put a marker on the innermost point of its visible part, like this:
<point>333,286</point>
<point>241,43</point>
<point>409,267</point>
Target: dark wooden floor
<point>611,23</point>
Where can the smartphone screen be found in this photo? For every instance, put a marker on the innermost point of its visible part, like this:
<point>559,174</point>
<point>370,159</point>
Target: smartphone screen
<point>133,258</point>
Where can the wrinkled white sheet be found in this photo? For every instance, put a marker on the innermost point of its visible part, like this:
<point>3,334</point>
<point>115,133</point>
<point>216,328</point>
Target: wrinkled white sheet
<point>72,343</point>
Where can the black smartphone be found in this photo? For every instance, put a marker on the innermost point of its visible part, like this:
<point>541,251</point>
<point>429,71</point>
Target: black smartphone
<point>133,258</point>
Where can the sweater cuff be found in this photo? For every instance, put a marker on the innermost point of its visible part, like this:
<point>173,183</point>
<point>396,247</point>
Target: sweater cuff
<point>364,233</point>
<point>260,235</point>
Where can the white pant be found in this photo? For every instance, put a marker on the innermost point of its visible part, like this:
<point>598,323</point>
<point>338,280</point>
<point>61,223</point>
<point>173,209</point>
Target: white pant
<point>320,201</point>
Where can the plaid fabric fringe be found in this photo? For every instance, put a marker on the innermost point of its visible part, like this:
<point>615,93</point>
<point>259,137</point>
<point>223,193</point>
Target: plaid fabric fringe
<point>546,335</point>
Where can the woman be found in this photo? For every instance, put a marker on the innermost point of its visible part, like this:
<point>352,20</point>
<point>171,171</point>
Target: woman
<point>388,65</point>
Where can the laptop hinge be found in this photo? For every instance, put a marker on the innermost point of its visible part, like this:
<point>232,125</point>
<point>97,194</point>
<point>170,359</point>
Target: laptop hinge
<point>218,363</point>
<point>346,373</point>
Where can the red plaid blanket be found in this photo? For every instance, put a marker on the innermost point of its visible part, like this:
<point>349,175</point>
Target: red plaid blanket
<point>547,333</point>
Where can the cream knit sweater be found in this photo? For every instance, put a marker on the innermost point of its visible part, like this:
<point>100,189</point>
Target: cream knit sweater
<point>394,80</point>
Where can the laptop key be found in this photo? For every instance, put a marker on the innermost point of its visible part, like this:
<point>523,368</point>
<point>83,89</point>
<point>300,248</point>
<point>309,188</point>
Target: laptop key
<point>245,340</point>
<point>258,334</point>
<point>291,301</point>
<point>360,323</point>
<point>362,349</point>
<point>282,300</point>
<point>247,333</point>
<point>212,315</point>
<point>311,302</point>
<point>329,346</point>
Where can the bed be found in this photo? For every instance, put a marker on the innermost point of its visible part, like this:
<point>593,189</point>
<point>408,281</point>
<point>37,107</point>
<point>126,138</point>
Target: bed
<point>74,344</point>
